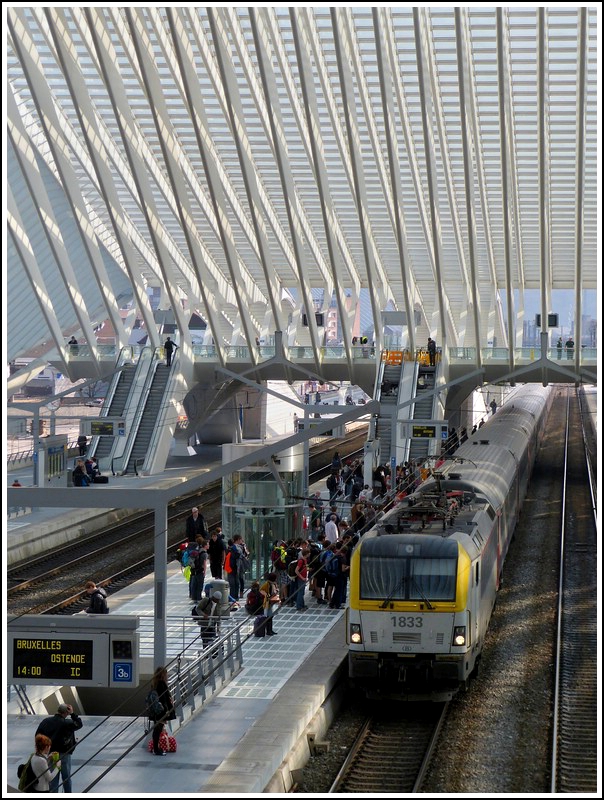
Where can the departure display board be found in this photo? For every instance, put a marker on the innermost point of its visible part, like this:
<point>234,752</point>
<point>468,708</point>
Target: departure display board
<point>77,650</point>
<point>103,426</point>
<point>424,432</point>
<point>52,659</point>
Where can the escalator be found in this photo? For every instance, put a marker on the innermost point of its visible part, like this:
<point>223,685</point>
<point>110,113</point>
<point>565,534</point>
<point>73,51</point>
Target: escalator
<point>104,444</point>
<point>148,419</point>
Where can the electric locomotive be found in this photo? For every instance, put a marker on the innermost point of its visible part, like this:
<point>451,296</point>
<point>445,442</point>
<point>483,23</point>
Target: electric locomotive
<point>423,581</point>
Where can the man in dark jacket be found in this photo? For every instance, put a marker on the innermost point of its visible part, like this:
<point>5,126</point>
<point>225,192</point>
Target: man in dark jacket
<point>216,552</point>
<point>195,525</point>
<point>98,599</point>
<point>61,731</point>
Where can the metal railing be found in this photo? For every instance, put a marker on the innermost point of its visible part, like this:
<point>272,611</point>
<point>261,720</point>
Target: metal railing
<point>23,458</point>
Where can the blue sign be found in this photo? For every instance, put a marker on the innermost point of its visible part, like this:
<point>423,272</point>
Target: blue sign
<point>443,433</point>
<point>122,671</point>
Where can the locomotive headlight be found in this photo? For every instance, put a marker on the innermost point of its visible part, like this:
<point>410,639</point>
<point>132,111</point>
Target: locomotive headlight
<point>459,635</point>
<point>355,634</point>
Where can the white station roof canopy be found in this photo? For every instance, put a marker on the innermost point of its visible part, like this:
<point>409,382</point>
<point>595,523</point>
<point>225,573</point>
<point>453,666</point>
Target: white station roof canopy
<point>249,164</point>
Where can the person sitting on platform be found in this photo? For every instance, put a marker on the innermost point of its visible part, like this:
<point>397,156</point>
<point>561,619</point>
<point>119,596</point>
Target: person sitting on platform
<point>92,468</point>
<point>79,475</point>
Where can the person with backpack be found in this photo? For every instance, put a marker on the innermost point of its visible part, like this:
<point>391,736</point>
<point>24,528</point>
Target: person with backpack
<point>180,550</point>
<point>271,601</point>
<point>254,601</point>
<point>61,731</point>
<point>207,614</point>
<point>279,566</point>
<point>45,767</point>
<point>327,569</point>
<point>189,554</point>
<point>198,564</point>
<point>98,599</point>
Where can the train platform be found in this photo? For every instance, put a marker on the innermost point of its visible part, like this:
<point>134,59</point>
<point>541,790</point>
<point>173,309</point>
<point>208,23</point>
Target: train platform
<point>248,738</point>
<point>29,529</point>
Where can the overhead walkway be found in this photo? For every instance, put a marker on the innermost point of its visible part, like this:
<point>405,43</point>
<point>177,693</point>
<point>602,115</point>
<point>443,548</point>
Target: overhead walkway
<point>488,364</point>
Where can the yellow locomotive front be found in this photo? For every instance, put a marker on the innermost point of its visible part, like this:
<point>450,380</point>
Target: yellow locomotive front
<point>409,621</point>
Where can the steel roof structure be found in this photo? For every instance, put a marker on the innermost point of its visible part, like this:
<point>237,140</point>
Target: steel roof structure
<point>255,164</point>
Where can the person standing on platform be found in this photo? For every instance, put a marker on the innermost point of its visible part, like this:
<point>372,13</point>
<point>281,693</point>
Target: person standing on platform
<point>61,732</point>
<point>493,405</point>
<point>315,521</point>
<point>82,444</point>
<point>559,348</point>
<point>198,569</point>
<point>238,556</point>
<point>332,485</point>
<point>271,601</point>
<point>336,462</point>
<point>44,765</point>
<point>195,525</point>
<point>570,347</point>
<point>216,553</point>
<point>208,616</point>
<point>98,599</point>
<point>301,578</point>
<point>331,529</point>
<point>432,351</point>
<point>242,563</point>
<point>159,682</point>
<point>339,590</point>
<point>169,347</point>
<point>73,346</point>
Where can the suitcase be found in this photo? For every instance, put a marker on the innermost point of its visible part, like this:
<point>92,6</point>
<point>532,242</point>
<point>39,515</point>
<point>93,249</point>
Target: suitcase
<point>101,479</point>
<point>260,625</point>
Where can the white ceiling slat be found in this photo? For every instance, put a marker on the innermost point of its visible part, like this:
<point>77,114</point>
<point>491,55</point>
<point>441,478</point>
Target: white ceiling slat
<point>234,156</point>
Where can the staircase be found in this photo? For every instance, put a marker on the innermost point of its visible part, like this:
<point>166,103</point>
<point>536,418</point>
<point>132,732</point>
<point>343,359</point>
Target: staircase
<point>116,409</point>
<point>148,422</point>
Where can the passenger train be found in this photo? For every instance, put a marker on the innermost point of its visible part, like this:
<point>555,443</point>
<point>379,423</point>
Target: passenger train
<point>424,580</point>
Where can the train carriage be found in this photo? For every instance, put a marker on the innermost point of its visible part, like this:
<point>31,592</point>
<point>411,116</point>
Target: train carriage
<point>424,580</point>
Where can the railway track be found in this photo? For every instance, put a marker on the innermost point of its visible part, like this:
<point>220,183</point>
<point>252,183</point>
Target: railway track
<point>575,725</point>
<point>392,750</point>
<point>123,553</point>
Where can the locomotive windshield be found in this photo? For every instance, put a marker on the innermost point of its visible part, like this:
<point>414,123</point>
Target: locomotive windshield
<point>408,578</point>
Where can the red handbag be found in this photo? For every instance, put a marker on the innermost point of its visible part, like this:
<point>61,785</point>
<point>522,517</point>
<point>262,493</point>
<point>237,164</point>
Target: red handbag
<point>166,742</point>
